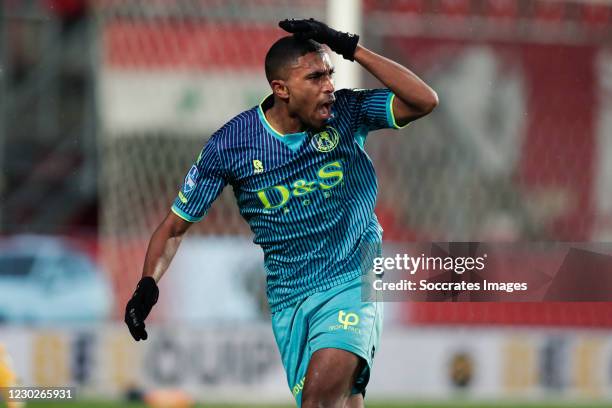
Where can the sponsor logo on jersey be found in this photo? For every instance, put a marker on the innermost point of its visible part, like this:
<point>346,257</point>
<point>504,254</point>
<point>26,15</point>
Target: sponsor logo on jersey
<point>327,140</point>
<point>328,177</point>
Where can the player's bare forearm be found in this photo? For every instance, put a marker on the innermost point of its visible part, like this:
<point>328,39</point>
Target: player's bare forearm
<point>163,245</point>
<point>414,98</point>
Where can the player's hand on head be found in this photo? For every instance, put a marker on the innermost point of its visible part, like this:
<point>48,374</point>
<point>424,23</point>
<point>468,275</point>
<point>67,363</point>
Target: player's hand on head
<point>311,29</point>
<point>139,306</point>
<point>303,29</point>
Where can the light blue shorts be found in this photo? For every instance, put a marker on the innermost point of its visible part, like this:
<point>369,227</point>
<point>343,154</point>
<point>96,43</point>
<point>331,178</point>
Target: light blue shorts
<point>336,318</point>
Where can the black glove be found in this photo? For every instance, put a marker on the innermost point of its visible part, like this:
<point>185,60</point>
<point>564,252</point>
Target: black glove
<point>139,307</point>
<point>342,43</point>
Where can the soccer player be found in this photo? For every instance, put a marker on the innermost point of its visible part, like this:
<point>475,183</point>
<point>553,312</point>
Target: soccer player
<point>305,185</point>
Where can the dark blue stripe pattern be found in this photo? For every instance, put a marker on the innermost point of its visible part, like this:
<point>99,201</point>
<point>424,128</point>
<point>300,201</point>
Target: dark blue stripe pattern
<point>309,198</point>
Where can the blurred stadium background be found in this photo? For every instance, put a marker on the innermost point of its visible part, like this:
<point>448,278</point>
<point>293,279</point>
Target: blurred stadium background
<point>104,105</point>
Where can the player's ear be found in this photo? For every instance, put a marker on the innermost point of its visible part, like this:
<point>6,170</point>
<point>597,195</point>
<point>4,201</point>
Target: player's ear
<point>279,88</point>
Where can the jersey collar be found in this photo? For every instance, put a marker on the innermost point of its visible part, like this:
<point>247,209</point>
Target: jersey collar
<point>292,140</point>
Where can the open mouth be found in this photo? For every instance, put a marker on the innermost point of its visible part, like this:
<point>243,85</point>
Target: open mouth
<point>324,110</point>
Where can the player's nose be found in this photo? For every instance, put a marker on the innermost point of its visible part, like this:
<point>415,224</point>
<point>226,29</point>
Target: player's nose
<point>328,85</point>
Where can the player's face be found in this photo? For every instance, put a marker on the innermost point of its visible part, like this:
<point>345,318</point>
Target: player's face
<point>311,89</point>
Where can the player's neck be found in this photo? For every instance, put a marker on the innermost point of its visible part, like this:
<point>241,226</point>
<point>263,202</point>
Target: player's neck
<point>280,119</point>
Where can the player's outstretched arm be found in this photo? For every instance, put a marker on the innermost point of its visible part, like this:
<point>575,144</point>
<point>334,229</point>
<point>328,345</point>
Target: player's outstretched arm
<point>163,245</point>
<point>414,97</point>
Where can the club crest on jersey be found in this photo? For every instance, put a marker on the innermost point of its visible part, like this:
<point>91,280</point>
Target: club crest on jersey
<point>327,140</point>
<point>191,179</point>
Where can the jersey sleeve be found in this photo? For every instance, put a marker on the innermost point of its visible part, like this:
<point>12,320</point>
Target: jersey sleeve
<point>202,185</point>
<point>372,109</point>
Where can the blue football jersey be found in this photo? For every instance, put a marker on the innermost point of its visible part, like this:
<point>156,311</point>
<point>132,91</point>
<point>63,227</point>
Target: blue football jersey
<point>308,197</point>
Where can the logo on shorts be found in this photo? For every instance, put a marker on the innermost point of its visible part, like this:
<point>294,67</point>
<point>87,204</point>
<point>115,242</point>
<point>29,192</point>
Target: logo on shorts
<point>347,319</point>
<point>297,388</point>
<point>327,140</point>
<point>347,322</point>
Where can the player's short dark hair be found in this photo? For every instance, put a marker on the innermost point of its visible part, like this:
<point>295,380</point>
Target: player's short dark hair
<point>285,51</point>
